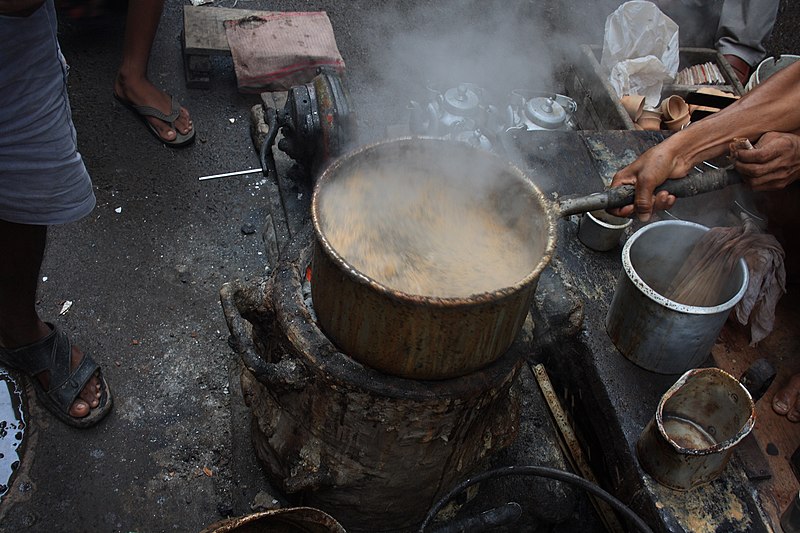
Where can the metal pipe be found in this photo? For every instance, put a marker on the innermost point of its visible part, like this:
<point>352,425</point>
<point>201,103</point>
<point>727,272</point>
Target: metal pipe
<point>228,174</point>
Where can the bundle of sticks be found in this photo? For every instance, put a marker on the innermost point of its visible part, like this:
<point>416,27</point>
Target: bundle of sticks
<point>713,259</point>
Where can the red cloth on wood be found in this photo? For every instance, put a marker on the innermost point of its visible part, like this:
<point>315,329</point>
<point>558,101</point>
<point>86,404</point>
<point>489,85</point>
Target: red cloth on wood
<point>281,49</point>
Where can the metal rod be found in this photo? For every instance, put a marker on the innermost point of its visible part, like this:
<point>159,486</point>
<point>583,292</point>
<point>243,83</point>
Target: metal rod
<point>569,440</point>
<point>228,174</point>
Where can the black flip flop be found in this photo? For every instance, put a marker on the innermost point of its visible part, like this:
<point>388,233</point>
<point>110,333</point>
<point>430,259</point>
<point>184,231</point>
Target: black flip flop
<point>54,354</point>
<point>144,111</point>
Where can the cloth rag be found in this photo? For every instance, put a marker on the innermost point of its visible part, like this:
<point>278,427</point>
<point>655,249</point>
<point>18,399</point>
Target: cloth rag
<point>764,257</point>
<point>712,261</point>
<point>274,51</point>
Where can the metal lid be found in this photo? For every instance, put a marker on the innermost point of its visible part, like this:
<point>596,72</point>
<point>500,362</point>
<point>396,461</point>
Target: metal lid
<point>474,138</point>
<point>545,112</point>
<point>461,100</point>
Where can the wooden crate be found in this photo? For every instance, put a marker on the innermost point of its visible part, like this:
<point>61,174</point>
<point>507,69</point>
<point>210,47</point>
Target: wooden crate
<point>599,108</point>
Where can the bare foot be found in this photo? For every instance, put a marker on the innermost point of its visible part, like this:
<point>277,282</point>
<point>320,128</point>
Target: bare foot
<point>142,92</point>
<point>787,400</point>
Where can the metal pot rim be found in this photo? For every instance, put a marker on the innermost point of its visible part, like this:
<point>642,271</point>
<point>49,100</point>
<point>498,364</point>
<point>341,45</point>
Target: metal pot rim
<point>359,277</point>
<point>728,444</point>
<point>664,301</point>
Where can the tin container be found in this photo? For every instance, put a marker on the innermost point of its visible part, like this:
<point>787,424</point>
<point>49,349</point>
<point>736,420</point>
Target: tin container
<point>601,231</point>
<point>651,330</point>
<point>698,423</point>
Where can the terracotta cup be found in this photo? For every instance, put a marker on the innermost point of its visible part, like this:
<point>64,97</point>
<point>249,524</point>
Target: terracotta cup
<point>674,108</point>
<point>650,120</point>
<point>634,105</point>
<point>677,123</point>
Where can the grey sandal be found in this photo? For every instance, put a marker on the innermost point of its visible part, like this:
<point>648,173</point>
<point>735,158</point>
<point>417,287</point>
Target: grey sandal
<point>53,353</point>
<point>144,111</point>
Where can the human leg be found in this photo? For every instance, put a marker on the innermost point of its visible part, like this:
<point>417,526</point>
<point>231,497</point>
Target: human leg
<point>20,324</point>
<point>132,85</point>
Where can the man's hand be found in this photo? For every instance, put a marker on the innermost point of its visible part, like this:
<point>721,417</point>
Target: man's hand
<point>19,8</point>
<point>649,171</point>
<point>772,164</point>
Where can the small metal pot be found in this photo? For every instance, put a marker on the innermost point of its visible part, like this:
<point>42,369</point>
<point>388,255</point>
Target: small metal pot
<point>697,424</point>
<point>651,330</point>
<point>601,231</point>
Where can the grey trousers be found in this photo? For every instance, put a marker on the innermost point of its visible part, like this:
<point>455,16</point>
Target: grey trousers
<point>738,27</point>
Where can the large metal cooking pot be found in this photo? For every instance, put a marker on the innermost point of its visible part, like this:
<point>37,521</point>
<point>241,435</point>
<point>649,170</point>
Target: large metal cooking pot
<point>424,336</point>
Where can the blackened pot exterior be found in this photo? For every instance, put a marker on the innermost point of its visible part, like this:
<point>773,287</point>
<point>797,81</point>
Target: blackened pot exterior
<point>421,337</point>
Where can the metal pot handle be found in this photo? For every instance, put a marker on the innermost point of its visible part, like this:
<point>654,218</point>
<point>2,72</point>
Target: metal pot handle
<point>243,305</point>
<point>238,300</point>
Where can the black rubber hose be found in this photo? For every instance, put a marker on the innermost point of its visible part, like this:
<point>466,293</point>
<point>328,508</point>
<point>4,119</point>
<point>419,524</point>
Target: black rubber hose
<point>499,516</point>
<point>540,471</point>
<point>268,161</point>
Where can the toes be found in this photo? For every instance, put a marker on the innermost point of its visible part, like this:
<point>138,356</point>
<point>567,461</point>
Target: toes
<point>779,405</point>
<point>91,392</point>
<point>785,402</point>
<point>163,129</point>
<point>184,123</point>
<point>79,409</point>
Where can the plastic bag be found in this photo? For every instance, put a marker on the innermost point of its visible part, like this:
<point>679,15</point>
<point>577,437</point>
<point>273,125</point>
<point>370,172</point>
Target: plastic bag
<point>640,50</point>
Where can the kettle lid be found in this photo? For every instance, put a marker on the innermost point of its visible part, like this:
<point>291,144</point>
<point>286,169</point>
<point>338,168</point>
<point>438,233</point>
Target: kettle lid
<point>545,112</point>
<point>461,100</point>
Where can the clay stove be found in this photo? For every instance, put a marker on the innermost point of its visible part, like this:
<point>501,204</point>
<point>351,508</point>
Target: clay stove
<point>373,450</point>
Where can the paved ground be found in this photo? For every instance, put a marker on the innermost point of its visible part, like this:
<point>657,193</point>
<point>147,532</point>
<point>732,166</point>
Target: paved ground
<point>143,270</point>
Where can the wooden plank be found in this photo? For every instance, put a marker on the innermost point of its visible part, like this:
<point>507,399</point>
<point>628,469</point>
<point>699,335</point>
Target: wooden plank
<point>606,105</point>
<point>204,28</point>
<point>777,437</point>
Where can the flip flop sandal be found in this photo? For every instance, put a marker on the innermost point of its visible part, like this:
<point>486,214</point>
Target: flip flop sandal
<point>144,111</point>
<point>54,354</point>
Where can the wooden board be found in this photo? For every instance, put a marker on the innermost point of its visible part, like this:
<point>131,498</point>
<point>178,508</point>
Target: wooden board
<point>772,432</point>
<point>204,28</point>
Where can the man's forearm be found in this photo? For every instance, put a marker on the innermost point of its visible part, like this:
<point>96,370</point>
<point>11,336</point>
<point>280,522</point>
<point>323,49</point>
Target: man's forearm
<point>772,106</point>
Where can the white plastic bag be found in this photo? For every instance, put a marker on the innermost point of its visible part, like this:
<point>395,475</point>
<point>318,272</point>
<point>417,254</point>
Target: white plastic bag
<point>640,50</point>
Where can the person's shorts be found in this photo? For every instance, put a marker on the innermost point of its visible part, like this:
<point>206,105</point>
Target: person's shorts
<point>43,179</point>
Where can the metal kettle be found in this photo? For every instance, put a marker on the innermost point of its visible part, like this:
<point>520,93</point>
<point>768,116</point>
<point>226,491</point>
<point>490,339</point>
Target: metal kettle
<point>540,111</point>
<point>457,109</point>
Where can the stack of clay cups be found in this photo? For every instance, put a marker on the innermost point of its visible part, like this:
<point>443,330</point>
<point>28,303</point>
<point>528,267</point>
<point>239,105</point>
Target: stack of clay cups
<point>675,112</point>
<point>644,118</point>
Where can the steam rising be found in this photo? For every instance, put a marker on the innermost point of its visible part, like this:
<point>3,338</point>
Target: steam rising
<point>498,45</point>
<point>453,226</point>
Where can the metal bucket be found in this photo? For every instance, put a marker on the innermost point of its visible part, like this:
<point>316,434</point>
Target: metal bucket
<point>651,330</point>
<point>768,67</point>
<point>697,424</point>
<point>290,520</point>
<point>601,231</point>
